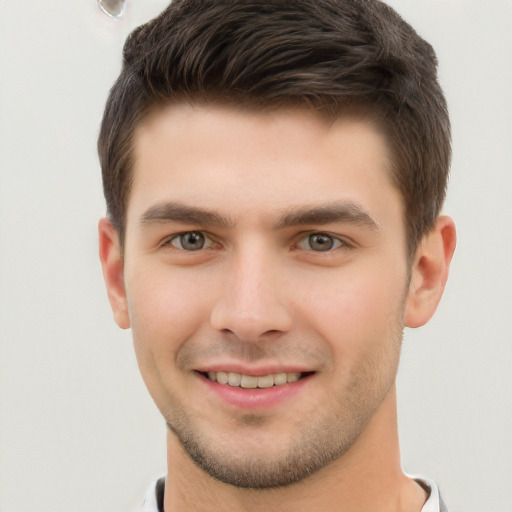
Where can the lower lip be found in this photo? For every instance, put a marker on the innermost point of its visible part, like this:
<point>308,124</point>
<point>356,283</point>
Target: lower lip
<point>256,398</point>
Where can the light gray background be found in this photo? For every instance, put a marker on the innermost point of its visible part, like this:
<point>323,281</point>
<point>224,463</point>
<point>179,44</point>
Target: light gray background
<point>77,429</point>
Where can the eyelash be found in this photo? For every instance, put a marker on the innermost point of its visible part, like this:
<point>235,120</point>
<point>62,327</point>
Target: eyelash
<point>178,237</point>
<point>337,242</point>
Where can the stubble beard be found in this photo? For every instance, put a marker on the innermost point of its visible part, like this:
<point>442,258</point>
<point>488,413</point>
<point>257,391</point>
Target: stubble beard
<point>308,453</point>
<point>314,444</point>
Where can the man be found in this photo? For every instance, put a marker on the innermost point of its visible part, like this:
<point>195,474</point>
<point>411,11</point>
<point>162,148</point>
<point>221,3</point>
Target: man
<point>274,173</point>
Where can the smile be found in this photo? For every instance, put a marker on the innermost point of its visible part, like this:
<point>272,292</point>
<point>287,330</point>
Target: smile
<point>234,379</point>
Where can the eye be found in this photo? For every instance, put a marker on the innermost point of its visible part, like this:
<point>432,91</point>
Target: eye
<point>189,241</point>
<point>320,242</point>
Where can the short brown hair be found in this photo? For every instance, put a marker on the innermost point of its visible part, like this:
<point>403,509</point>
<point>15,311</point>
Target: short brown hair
<point>326,55</point>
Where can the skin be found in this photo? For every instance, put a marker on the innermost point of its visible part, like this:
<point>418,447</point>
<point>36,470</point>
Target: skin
<point>261,297</point>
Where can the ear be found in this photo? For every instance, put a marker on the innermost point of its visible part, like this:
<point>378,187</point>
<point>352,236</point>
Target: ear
<point>112,264</point>
<point>429,272</point>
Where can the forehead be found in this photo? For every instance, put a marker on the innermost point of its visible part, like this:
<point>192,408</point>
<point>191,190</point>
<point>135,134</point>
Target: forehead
<point>248,162</point>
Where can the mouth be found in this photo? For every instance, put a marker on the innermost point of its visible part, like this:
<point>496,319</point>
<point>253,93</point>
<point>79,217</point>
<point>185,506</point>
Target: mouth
<point>240,380</point>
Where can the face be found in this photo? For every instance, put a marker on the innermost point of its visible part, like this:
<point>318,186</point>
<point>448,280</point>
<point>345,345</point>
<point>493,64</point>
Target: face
<point>264,275</point>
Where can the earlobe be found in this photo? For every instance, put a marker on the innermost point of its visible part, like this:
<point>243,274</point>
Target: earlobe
<point>429,272</point>
<point>112,265</point>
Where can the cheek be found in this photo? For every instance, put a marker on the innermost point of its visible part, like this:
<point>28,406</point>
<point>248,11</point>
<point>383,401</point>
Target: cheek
<point>356,308</point>
<point>166,308</point>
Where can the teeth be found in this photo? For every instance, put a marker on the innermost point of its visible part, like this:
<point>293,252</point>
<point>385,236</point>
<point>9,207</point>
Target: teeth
<point>250,381</point>
<point>267,381</point>
<point>222,377</point>
<point>280,379</point>
<point>234,379</point>
<point>293,377</point>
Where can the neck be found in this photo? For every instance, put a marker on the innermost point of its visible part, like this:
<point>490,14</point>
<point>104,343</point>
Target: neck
<point>367,478</point>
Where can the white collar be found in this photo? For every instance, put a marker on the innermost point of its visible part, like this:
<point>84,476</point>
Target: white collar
<point>434,502</point>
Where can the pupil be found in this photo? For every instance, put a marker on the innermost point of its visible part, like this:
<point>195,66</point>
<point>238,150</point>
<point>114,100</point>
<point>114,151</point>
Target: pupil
<point>321,242</point>
<point>192,241</point>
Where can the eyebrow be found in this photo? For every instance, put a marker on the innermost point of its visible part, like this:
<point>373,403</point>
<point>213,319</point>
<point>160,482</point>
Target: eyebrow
<point>345,211</point>
<point>179,212</point>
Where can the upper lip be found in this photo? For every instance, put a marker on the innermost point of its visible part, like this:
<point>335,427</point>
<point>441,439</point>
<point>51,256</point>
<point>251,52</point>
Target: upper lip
<point>256,371</point>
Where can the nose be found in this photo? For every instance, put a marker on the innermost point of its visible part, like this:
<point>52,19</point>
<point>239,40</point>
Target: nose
<point>252,304</point>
